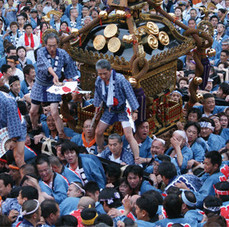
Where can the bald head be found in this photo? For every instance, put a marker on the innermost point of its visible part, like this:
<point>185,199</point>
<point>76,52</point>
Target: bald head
<point>85,201</point>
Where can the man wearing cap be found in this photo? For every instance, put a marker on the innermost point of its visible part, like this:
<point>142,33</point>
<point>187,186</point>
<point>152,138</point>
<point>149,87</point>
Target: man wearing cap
<point>214,142</point>
<point>50,62</point>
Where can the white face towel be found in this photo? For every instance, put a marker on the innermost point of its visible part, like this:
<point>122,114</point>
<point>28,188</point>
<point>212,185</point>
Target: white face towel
<point>111,93</point>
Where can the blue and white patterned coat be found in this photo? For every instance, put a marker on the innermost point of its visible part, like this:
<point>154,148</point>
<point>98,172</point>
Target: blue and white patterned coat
<point>9,117</point>
<point>123,92</point>
<point>44,80</point>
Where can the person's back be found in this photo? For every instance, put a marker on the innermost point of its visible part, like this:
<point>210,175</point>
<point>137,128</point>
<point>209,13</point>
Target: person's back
<point>172,205</point>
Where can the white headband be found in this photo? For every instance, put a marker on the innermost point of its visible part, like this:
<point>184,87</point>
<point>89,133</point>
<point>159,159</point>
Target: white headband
<point>205,124</point>
<point>81,189</point>
<point>159,139</point>
<point>185,200</point>
<point>24,212</point>
<point>183,134</point>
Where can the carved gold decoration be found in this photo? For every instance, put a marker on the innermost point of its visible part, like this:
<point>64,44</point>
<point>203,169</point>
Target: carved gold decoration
<point>128,38</point>
<point>163,77</point>
<point>152,28</point>
<point>206,26</point>
<point>120,13</point>
<point>75,32</point>
<point>199,97</point>
<point>114,44</point>
<point>99,42</point>
<point>157,2</point>
<point>152,41</point>
<point>197,80</point>
<point>110,30</point>
<point>211,52</point>
<point>103,14</point>
<point>133,82</point>
<point>141,31</point>
<point>163,38</point>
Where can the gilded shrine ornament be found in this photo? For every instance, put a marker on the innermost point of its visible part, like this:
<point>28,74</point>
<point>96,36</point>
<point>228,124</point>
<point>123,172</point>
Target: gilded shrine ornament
<point>152,41</point>
<point>110,30</point>
<point>114,44</point>
<point>163,38</point>
<point>99,42</point>
<point>152,28</point>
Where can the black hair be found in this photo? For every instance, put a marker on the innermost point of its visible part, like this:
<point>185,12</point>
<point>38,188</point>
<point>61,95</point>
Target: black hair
<point>111,196</point>
<point>10,48</point>
<point>208,95</point>
<point>7,179</point>
<point>173,190</point>
<point>69,146</point>
<point>113,170</point>
<point>13,23</point>
<point>5,68</point>
<point>29,192</point>
<point>212,201</point>
<point>4,221</point>
<point>191,198</point>
<point>48,206</point>
<point>91,187</point>
<point>206,119</point>
<point>172,205</point>
<point>104,218</point>
<point>195,124</point>
<point>27,25</point>
<point>20,47</point>
<point>215,157</point>
<point>167,169</point>
<point>148,203</point>
<point>216,221</point>
<point>156,194</point>
<point>223,186</point>
<point>214,16</point>
<point>195,110</point>
<point>41,159</point>
<point>135,169</point>
<point>66,221</point>
<point>27,68</point>
<point>42,24</point>
<point>225,51</point>
<point>26,178</point>
<point>225,88</point>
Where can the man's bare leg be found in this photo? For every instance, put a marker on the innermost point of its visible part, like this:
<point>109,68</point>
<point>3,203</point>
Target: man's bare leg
<point>34,116</point>
<point>131,140</point>
<point>58,121</point>
<point>99,137</point>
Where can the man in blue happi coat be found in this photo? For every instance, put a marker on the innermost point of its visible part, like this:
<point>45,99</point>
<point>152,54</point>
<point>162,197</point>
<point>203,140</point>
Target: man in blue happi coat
<point>10,118</point>
<point>50,62</point>
<point>114,90</point>
<point>52,183</point>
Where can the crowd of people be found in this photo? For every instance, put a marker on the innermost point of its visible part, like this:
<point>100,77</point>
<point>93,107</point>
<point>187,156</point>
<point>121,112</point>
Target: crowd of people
<point>53,175</point>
